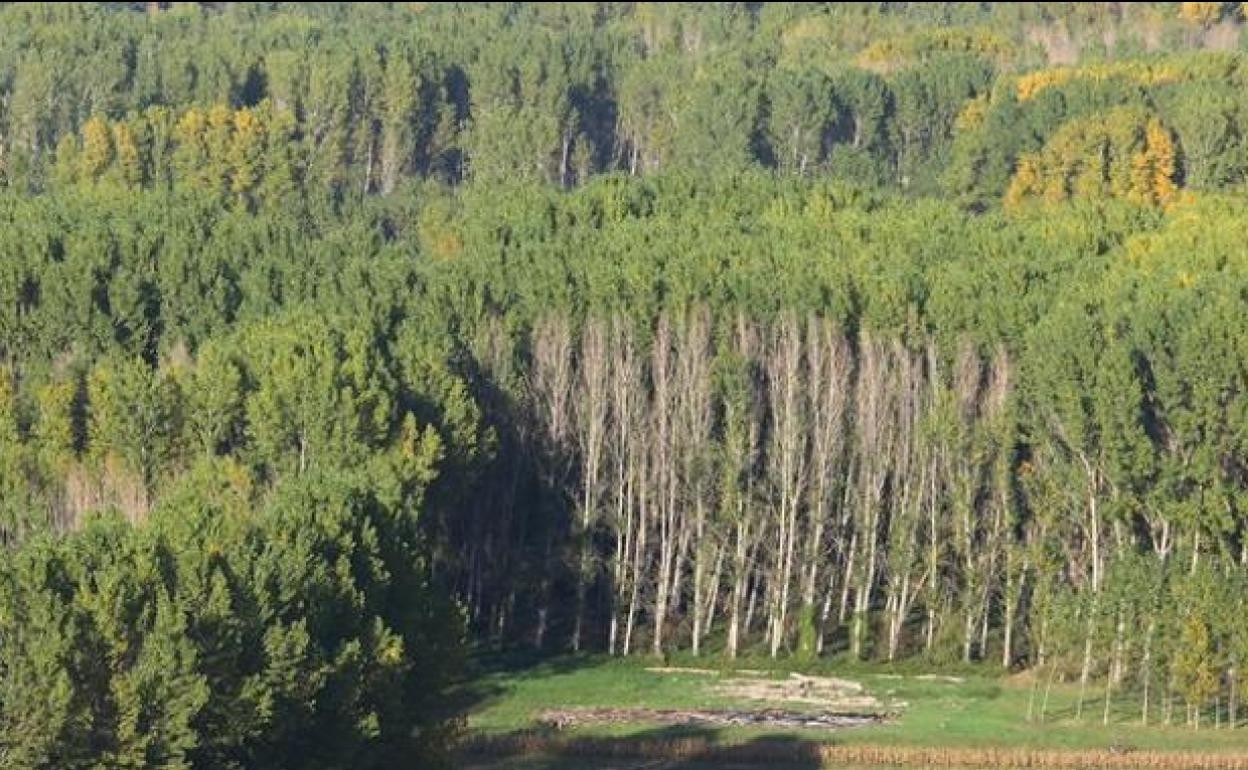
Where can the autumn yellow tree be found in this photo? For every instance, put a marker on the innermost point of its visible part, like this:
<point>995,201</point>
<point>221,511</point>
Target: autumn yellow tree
<point>189,136</point>
<point>1202,14</point>
<point>1153,167</point>
<point>1193,669</point>
<point>128,160</point>
<point>246,148</point>
<point>1123,153</point>
<point>1026,181</point>
<point>97,148</point>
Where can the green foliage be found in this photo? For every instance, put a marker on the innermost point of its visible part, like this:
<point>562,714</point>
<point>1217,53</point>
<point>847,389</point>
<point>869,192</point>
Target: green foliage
<point>806,634</point>
<point>226,640</point>
<point>257,259</point>
<point>135,415</point>
<point>1193,668</point>
<point>257,106</point>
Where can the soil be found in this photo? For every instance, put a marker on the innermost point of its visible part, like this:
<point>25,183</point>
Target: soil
<point>825,692</point>
<point>565,718</point>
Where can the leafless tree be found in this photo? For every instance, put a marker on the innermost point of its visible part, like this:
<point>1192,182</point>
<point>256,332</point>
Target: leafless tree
<point>786,463</point>
<point>828,384</point>
<point>742,417</point>
<point>592,390</point>
<point>552,391</point>
<point>695,419</point>
<point>875,424</point>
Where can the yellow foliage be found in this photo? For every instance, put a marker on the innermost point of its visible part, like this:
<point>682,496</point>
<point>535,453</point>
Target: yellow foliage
<point>220,117</point>
<point>1123,153</point>
<point>1032,83</point>
<point>1026,181</point>
<point>1055,188</point>
<point>246,123</point>
<point>128,160</point>
<point>1153,166</point>
<point>227,148</point>
<point>1138,247</point>
<point>439,237</point>
<point>973,113</point>
<point>802,38</point>
<point>1180,200</point>
<point>1202,14</point>
<point>8,416</point>
<point>446,244</point>
<point>97,148</point>
<point>55,426</point>
<point>190,127</point>
<point>893,53</point>
<point>245,147</point>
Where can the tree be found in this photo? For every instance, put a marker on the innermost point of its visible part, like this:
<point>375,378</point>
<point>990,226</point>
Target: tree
<point>198,640</point>
<point>590,406</point>
<point>213,391</point>
<point>802,111</point>
<point>135,420</point>
<point>1193,667</point>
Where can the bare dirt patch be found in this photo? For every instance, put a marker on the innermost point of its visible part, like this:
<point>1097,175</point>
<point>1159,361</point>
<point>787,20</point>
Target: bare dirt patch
<point>565,718</point>
<point>831,694</point>
<point>753,698</point>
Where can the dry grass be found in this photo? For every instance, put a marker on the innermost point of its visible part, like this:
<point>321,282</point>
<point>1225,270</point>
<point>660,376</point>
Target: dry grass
<point>701,748</point>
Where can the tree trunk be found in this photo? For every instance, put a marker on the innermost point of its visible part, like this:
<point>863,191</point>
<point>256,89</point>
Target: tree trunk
<point>621,546</point>
<point>713,598</point>
<point>900,610</point>
<point>849,578</point>
<point>968,634</point>
<point>862,605</point>
<point>825,613</point>
<point>1146,665</point>
<point>697,587</point>
<point>1085,672</point>
<point>563,160</point>
<point>739,586</point>
<point>1048,688</point>
<point>1232,701</point>
<point>1109,691</point>
<point>754,591</point>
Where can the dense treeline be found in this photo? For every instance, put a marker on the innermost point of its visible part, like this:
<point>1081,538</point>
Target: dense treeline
<point>811,420</point>
<point>250,100</point>
<point>216,636</point>
<point>889,331</point>
<point>1053,478</point>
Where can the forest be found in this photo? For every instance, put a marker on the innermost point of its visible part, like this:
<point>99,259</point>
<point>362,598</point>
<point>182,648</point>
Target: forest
<point>339,340</point>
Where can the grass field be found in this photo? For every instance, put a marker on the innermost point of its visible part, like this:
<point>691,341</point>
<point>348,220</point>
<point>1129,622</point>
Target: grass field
<point>977,711</point>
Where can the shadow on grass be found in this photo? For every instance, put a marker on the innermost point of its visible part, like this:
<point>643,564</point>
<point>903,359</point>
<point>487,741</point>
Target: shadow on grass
<point>675,747</point>
<point>485,678</point>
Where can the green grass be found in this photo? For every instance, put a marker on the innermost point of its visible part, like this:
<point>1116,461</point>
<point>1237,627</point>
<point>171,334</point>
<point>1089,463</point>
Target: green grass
<point>980,711</point>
